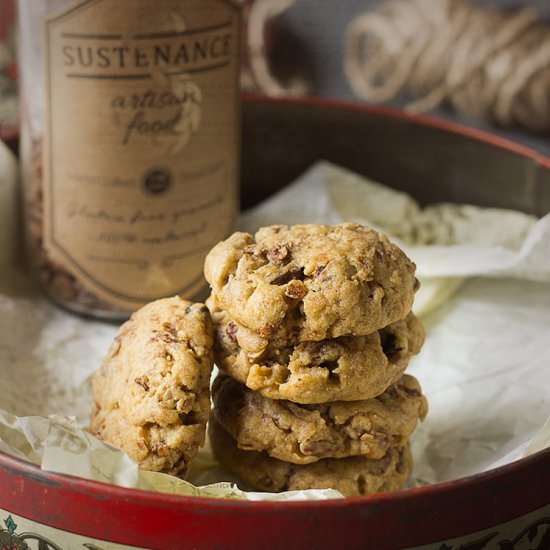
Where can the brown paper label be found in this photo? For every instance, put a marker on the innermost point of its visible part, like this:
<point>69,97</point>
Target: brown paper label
<point>142,140</point>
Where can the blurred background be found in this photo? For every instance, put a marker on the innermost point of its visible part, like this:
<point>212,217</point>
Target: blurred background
<point>318,28</point>
<point>329,48</point>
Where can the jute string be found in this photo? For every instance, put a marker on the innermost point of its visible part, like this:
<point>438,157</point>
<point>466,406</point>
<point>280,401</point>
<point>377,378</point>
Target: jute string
<point>486,63</point>
<point>257,73</point>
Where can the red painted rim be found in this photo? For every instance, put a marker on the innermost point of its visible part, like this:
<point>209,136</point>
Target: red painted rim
<point>94,487</point>
<point>8,132</point>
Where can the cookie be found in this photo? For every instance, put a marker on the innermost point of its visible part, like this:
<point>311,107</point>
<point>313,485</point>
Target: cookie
<point>303,434</point>
<point>347,368</point>
<point>314,281</point>
<point>351,476</point>
<point>151,395</point>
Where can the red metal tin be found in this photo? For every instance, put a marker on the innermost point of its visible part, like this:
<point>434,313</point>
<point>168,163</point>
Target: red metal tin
<point>506,508</point>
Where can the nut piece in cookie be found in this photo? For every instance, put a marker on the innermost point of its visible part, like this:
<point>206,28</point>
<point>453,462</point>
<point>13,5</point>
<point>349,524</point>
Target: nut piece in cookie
<point>351,476</point>
<point>315,281</point>
<point>151,395</point>
<point>347,368</point>
<point>303,434</point>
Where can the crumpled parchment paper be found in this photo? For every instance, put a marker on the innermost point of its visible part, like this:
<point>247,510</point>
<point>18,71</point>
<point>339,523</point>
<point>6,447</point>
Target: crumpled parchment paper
<point>485,367</point>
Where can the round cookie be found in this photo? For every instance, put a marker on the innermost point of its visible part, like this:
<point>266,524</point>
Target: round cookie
<point>303,434</point>
<point>316,281</point>
<point>351,476</point>
<point>151,395</point>
<point>348,368</point>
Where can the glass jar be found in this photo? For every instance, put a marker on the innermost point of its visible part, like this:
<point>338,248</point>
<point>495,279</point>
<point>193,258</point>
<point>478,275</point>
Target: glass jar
<point>129,145</point>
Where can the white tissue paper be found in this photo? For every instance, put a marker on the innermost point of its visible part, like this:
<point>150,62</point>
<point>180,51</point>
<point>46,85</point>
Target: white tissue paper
<point>485,366</point>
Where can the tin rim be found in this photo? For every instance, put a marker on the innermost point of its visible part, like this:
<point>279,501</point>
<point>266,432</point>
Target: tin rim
<point>30,470</point>
<point>444,125</point>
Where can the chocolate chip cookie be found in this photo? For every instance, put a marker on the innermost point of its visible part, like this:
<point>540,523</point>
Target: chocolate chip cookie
<point>303,434</point>
<point>151,395</point>
<point>351,476</point>
<point>312,281</point>
<point>347,368</point>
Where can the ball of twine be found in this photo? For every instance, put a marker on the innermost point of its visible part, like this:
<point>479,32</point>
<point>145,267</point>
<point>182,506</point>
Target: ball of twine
<point>257,73</point>
<point>486,63</point>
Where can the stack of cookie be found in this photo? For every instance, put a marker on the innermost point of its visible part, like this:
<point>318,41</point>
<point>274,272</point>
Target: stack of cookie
<point>313,332</point>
